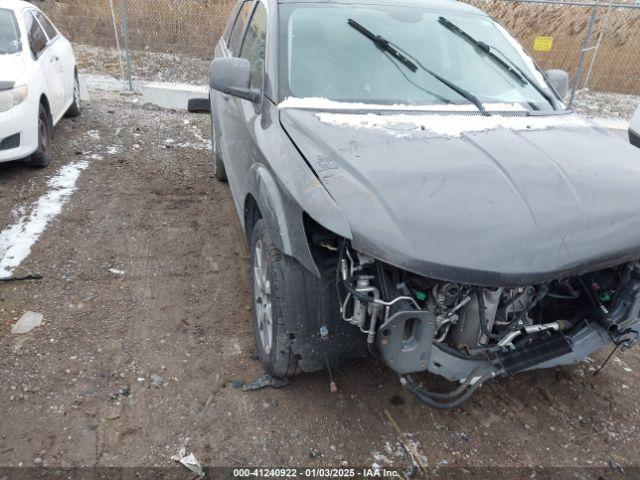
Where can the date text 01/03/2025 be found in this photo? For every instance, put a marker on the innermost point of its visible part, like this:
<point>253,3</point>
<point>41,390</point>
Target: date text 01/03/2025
<point>314,473</point>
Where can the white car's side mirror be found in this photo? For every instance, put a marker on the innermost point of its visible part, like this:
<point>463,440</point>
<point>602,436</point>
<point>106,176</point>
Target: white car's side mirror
<point>634,129</point>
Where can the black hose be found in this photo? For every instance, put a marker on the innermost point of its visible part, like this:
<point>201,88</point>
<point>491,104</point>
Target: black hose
<point>572,295</point>
<point>458,354</point>
<point>457,391</point>
<point>424,398</point>
<point>559,296</point>
<point>383,281</point>
<point>373,351</point>
<point>627,270</point>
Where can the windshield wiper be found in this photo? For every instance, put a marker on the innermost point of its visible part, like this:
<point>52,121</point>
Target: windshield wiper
<point>384,45</point>
<point>532,82</point>
<point>508,66</point>
<point>402,56</point>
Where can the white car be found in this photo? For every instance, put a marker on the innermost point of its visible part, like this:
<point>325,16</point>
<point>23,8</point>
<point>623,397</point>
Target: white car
<point>38,82</point>
<point>634,129</point>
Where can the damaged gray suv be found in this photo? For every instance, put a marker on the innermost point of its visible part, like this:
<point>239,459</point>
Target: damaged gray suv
<point>412,186</point>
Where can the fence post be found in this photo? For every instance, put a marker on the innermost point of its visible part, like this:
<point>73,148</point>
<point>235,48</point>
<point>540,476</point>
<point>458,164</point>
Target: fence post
<point>583,53</point>
<point>115,32</point>
<point>125,29</point>
<point>596,48</point>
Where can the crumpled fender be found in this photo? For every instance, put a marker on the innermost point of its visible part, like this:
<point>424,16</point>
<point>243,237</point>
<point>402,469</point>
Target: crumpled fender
<point>283,214</point>
<point>283,199</point>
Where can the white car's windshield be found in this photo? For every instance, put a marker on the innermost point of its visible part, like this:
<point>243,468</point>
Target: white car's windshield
<point>9,33</point>
<point>327,56</point>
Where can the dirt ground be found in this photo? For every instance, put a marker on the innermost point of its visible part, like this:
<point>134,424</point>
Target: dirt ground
<point>146,304</point>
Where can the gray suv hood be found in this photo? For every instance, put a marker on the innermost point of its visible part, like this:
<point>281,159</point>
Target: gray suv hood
<point>503,200</point>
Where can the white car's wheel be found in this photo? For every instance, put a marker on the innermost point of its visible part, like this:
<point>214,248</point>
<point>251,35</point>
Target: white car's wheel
<point>40,158</point>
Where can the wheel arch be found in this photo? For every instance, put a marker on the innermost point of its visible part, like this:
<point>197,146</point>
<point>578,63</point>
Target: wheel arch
<point>283,187</point>
<point>252,214</point>
<point>283,217</point>
<point>44,101</point>
<point>309,304</point>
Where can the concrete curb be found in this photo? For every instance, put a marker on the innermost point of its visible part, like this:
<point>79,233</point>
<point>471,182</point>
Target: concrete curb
<point>173,96</point>
<point>612,123</point>
<point>176,96</point>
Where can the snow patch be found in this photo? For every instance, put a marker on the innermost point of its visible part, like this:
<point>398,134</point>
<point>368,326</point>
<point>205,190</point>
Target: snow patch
<point>624,366</point>
<point>318,103</point>
<point>202,142</point>
<point>94,134</point>
<point>395,453</point>
<point>403,124</point>
<point>16,240</point>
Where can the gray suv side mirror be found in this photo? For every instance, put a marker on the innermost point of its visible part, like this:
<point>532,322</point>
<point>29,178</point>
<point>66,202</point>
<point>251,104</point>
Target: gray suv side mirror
<point>233,77</point>
<point>559,80</point>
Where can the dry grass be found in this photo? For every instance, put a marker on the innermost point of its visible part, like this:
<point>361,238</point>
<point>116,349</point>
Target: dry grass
<point>192,27</point>
<point>173,26</point>
<point>617,64</point>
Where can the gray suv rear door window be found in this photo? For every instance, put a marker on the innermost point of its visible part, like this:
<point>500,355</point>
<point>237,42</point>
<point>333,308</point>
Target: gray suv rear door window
<point>254,44</point>
<point>238,28</point>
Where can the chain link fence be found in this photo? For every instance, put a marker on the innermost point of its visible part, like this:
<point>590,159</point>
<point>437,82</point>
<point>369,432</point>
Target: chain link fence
<point>166,40</point>
<point>597,43</point>
<point>173,40</point>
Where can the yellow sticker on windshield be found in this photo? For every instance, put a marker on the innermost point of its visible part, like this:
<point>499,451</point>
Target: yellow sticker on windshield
<point>543,44</point>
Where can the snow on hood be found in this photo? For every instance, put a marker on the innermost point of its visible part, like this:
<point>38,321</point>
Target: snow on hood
<point>11,67</point>
<point>403,124</point>
<point>406,121</point>
<point>318,103</point>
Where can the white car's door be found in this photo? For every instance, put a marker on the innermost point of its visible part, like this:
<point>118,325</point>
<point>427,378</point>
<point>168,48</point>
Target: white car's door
<point>48,62</point>
<point>63,52</point>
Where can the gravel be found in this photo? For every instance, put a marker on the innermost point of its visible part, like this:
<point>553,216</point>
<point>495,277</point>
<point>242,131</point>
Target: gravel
<point>176,68</point>
<point>146,65</point>
<point>606,104</point>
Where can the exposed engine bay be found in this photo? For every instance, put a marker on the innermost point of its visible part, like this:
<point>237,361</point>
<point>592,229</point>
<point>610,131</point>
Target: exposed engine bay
<point>470,333</point>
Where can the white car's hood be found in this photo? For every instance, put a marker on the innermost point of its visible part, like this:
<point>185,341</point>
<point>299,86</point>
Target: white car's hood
<point>11,67</point>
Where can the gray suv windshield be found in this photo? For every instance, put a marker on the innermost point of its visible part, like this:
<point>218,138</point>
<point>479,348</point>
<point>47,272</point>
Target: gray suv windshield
<point>9,33</point>
<point>325,58</point>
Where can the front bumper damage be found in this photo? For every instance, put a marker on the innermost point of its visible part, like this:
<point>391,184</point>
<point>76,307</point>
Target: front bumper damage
<point>412,332</point>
